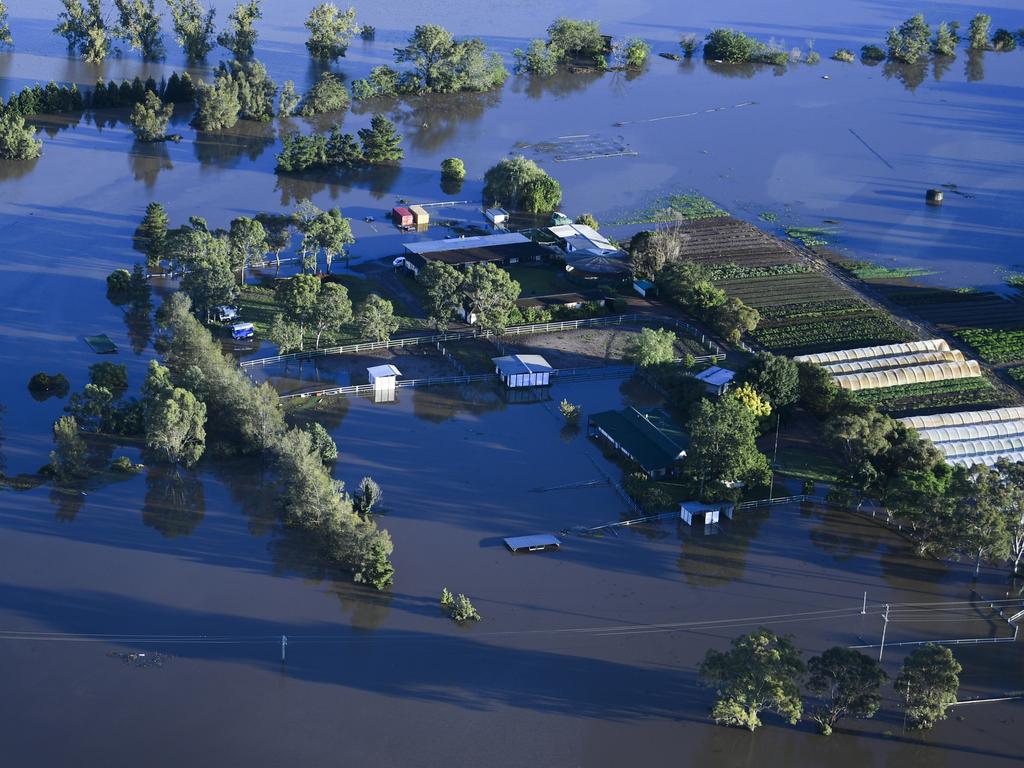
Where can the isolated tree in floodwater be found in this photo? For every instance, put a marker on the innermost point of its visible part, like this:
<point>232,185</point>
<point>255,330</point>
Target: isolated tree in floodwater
<point>376,319</point>
<point>193,27</point>
<point>761,672</point>
<point>175,422</point>
<point>138,24</point>
<point>84,29</point>
<point>217,105</point>
<point>67,459</point>
<point>17,139</point>
<point>240,35</point>
<point>381,141</point>
<point>928,684</point>
<point>150,118</point>
<point>977,32</point>
<point>151,236</point>
<point>330,31</point>
<point>5,27</point>
<point>846,683</point>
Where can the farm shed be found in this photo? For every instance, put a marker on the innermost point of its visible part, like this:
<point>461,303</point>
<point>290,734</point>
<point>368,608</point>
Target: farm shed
<point>556,301</point>
<point>402,217</point>
<point>420,217</point>
<point>896,361</point>
<point>915,374</point>
<point>537,543</point>
<point>691,512</point>
<point>383,376</point>
<point>589,265</point>
<point>504,248</point>
<point>960,418</point>
<point>867,353</point>
<point>648,437</point>
<point>716,380</point>
<point>645,288</point>
<point>580,237</point>
<point>523,371</point>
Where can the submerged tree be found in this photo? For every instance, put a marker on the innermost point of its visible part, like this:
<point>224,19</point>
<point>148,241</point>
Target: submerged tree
<point>445,65</point>
<point>240,36</point>
<point>175,421</point>
<point>138,24</point>
<point>724,449</point>
<point>17,140</point>
<point>5,27</point>
<point>910,41</point>
<point>328,94</point>
<point>928,681</point>
<point>977,32</point>
<point>151,235</point>
<point>217,105</point>
<point>846,684</point>
<point>760,673</point>
<point>85,29</point>
<point>521,184</point>
<point>330,31</point>
<point>381,141</point>
<point>193,27</point>
<point>68,457</point>
<point>289,99</point>
<point>150,118</point>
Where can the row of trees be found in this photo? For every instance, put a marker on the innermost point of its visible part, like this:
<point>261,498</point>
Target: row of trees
<point>913,40</point>
<point>380,143</point>
<point>764,672</point>
<point>660,256</point>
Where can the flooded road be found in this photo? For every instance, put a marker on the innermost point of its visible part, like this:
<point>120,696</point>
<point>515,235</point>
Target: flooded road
<point>196,567</point>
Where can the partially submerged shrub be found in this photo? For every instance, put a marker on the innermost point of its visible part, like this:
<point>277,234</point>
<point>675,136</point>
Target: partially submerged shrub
<point>459,608</point>
<point>570,411</point>
<point>56,385</point>
<point>872,53</point>
<point>844,55</point>
<point>125,465</point>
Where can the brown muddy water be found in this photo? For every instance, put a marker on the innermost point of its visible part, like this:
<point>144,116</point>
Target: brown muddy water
<point>564,669</point>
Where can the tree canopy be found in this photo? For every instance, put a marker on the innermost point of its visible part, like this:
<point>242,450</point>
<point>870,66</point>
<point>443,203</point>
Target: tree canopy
<point>521,184</point>
<point>491,294</point>
<point>193,27</point>
<point>330,31</point>
<point>846,683</point>
<point>928,683</point>
<point>240,35</point>
<point>138,24</point>
<point>653,347</point>
<point>723,447</point>
<point>85,29</point>
<point>376,318</point>
<point>150,117</point>
<point>443,64</point>
<point>17,140</point>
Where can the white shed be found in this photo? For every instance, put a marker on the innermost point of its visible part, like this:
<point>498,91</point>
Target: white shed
<point>497,216</point>
<point>523,371</point>
<point>695,511</point>
<point>716,380</point>
<point>383,378</point>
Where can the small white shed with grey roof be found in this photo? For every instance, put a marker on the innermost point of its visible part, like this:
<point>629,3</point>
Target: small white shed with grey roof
<point>523,371</point>
<point>716,380</point>
<point>383,378</point>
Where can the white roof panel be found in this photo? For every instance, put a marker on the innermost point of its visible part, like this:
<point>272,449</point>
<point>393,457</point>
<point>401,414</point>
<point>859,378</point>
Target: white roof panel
<point>383,370</point>
<point>458,243</point>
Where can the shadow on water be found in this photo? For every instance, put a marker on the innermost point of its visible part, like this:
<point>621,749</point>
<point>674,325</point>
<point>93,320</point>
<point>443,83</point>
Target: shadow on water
<point>225,149</point>
<point>379,180</point>
<point>430,122</point>
<point>443,403</point>
<point>910,75</point>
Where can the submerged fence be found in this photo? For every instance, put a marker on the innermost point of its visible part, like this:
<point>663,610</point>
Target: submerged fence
<point>477,333</point>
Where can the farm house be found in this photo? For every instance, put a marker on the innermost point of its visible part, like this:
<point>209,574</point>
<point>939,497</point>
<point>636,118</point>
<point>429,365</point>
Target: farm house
<point>504,248</point>
<point>518,371</point>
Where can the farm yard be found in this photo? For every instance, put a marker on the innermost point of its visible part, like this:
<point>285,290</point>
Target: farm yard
<point>802,308</point>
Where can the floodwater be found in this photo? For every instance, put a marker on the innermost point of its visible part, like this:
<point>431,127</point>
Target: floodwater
<point>130,564</point>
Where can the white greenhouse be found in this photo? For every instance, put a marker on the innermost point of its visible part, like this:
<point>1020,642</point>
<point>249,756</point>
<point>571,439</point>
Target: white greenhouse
<point>915,374</point>
<point>866,353</point>
<point>973,432</point>
<point>961,418</point>
<point>896,361</point>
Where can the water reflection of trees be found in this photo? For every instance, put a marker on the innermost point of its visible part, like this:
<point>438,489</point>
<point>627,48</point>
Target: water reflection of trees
<point>940,66</point>
<point>715,560</point>
<point>225,148</point>
<point>147,159</point>
<point>429,122</point>
<point>138,321</point>
<point>15,169</point>
<point>249,483</point>
<point>175,502</point>
<point>911,75</point>
<point>67,503</point>
<point>439,404</point>
<point>558,86</point>
<point>379,180</point>
<point>841,536</point>
<point>974,67</point>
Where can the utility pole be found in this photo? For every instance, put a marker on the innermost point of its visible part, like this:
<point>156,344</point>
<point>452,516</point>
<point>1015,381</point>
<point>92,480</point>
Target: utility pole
<point>884,627</point>
<point>284,644</point>
<point>775,457</point>
<point>864,607</point>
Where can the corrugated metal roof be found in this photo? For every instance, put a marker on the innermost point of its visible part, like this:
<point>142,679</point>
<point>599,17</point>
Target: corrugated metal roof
<point>650,437</point>
<point>383,370</point>
<point>511,365</point>
<point>464,243</point>
<point>532,543</point>
<point>716,376</point>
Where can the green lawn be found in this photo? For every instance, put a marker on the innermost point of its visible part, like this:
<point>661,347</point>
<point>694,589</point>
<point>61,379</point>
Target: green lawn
<point>808,464</point>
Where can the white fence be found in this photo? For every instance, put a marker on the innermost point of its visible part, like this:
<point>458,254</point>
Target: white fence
<point>516,330</point>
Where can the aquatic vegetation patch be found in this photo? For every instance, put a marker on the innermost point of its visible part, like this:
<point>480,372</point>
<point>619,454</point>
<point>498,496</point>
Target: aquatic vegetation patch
<point>865,270</point>
<point>680,207</point>
<point>811,237</point>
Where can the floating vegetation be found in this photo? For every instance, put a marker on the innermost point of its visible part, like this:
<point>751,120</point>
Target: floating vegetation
<point>1015,281</point>
<point>682,207</point>
<point>810,237</point>
<point>768,216</point>
<point>865,270</point>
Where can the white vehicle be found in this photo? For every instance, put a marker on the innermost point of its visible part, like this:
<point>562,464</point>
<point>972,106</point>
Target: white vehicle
<point>225,314</point>
<point>398,262</point>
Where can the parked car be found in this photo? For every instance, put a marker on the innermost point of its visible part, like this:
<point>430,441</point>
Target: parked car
<point>225,314</point>
<point>241,331</point>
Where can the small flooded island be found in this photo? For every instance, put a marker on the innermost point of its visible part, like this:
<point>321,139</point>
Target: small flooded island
<point>546,383</point>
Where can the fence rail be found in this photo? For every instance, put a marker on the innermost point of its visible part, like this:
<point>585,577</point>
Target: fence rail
<point>477,333</point>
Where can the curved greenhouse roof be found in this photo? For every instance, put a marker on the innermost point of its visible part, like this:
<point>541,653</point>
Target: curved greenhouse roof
<point>987,459</point>
<point>959,418</point>
<point>896,361</point>
<point>1000,446</point>
<point>917,374</point>
<point>972,432</point>
<point>866,353</point>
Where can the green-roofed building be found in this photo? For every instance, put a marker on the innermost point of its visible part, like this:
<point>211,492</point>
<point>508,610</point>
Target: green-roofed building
<point>648,437</point>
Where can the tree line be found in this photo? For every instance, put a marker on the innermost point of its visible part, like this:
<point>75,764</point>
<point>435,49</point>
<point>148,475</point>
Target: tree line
<point>764,672</point>
<point>200,394</point>
<point>579,44</point>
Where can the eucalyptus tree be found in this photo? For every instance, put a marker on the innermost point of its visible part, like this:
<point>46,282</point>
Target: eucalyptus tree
<point>138,24</point>
<point>240,36</point>
<point>330,31</point>
<point>193,27</point>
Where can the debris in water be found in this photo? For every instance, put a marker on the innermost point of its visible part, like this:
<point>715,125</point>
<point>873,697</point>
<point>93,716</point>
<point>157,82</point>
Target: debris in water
<point>141,660</point>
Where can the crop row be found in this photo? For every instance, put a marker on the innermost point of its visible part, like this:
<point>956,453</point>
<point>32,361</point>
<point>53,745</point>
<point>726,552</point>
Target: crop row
<point>995,346</point>
<point>864,329</point>
<point>732,271</point>
<point>937,296</point>
<point>812,309</point>
<point>935,395</point>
